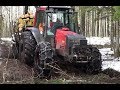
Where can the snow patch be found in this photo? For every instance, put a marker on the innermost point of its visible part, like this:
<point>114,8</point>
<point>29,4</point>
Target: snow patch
<point>108,60</point>
<point>98,40</point>
<point>115,64</point>
<point>107,54</point>
<point>6,39</point>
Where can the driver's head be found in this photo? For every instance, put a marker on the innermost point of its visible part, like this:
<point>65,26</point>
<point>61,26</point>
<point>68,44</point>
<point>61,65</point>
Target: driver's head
<point>58,20</point>
<point>50,20</point>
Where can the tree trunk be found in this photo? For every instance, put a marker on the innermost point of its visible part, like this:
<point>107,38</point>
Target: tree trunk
<point>86,24</point>
<point>83,19</point>
<point>1,21</point>
<point>88,31</point>
<point>108,32</point>
<point>93,23</point>
<point>90,23</point>
<point>100,26</point>
<point>97,23</point>
<point>117,51</point>
<point>26,10</point>
<point>111,30</point>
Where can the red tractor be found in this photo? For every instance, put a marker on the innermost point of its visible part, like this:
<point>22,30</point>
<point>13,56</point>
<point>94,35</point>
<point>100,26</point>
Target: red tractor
<point>55,33</point>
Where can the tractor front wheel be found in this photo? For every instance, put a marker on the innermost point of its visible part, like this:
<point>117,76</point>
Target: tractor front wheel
<point>94,66</point>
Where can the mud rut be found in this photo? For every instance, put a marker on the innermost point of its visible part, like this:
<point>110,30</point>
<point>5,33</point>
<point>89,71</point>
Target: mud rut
<point>14,72</point>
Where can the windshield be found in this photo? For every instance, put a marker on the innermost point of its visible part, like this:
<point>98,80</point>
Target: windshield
<point>66,19</point>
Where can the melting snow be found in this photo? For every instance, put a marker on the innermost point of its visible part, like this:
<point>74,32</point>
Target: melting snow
<point>106,53</point>
<point>108,60</point>
<point>98,40</point>
<point>114,64</point>
<point>6,39</point>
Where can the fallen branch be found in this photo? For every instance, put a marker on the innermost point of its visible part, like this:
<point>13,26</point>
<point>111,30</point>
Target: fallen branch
<point>62,72</point>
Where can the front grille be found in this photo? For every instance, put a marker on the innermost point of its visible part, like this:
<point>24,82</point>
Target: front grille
<point>83,52</point>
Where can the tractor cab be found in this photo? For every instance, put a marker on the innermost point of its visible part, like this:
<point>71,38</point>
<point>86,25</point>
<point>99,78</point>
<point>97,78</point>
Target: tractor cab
<point>49,18</point>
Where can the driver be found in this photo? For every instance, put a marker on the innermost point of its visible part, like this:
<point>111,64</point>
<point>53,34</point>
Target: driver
<point>58,20</point>
<point>51,23</point>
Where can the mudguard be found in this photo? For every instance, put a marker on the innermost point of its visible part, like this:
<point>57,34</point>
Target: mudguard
<point>36,34</point>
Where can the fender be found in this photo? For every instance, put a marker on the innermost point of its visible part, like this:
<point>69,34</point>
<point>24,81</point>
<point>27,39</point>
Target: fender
<point>36,33</point>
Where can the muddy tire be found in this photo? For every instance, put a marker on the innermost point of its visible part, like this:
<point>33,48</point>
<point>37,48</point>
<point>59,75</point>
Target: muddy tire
<point>94,66</point>
<point>27,48</point>
<point>43,56</point>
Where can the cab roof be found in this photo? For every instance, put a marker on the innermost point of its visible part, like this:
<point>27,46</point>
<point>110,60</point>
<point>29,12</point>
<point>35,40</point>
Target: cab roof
<point>43,8</point>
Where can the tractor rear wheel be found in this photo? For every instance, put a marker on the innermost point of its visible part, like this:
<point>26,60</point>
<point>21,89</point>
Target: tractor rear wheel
<point>27,48</point>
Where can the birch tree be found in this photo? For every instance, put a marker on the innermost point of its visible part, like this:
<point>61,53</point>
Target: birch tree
<point>116,17</point>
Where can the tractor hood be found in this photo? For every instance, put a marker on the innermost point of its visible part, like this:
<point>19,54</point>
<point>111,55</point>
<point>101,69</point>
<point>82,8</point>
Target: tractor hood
<point>69,37</point>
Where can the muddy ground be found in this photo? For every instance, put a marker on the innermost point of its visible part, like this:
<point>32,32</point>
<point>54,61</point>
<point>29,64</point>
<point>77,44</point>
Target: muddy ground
<point>12,71</point>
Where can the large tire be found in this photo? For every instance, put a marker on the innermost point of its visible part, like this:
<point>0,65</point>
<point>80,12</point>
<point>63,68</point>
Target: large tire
<point>27,48</point>
<point>94,66</point>
<point>43,56</point>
